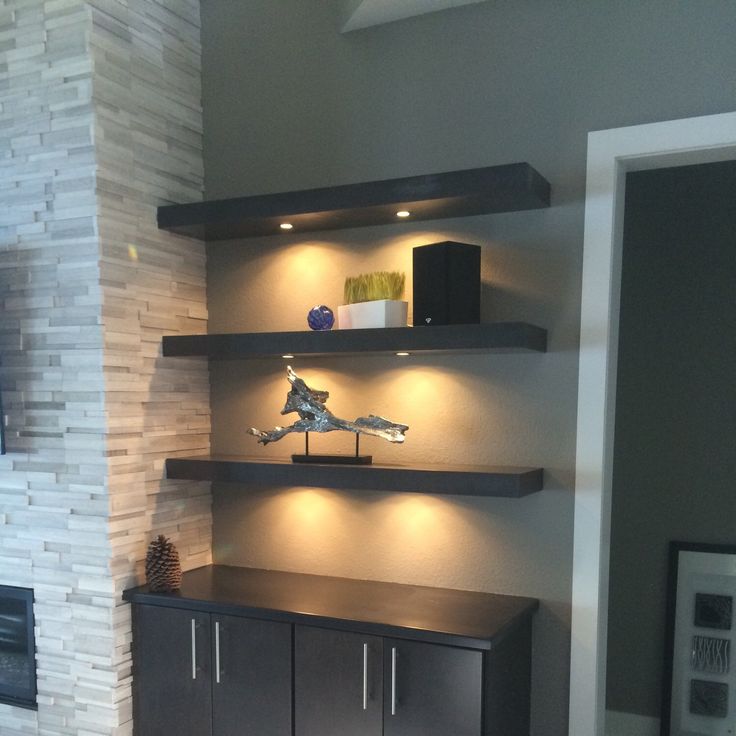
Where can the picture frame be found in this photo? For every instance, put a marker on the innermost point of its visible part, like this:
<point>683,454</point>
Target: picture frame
<point>699,678</point>
<point>2,428</point>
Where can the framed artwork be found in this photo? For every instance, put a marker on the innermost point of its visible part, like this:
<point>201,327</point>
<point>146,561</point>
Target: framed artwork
<point>699,685</point>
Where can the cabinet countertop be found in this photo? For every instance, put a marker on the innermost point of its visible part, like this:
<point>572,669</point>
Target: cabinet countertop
<point>435,615</point>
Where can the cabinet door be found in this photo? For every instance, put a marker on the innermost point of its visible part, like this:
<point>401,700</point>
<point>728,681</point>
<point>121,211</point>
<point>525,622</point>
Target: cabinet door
<point>431,690</point>
<point>171,672</point>
<point>337,683</point>
<point>251,689</point>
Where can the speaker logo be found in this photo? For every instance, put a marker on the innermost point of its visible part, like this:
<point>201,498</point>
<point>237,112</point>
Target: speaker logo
<point>427,319</point>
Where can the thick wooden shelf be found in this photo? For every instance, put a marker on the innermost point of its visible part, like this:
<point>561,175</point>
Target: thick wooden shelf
<point>488,190</point>
<point>456,480</point>
<point>436,615</point>
<point>500,337</point>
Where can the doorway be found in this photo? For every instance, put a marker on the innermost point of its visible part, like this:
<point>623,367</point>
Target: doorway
<point>674,456</point>
<point>611,154</point>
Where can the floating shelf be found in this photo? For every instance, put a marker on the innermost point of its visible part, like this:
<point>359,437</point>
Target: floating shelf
<point>499,337</point>
<point>456,480</point>
<point>488,190</point>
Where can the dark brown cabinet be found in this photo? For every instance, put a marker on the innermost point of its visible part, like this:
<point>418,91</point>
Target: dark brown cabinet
<point>338,683</point>
<point>200,674</point>
<point>431,690</point>
<point>172,672</point>
<point>251,691</point>
<point>346,683</point>
<point>243,652</point>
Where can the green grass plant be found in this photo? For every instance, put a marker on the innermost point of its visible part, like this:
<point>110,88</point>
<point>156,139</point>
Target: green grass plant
<point>371,286</point>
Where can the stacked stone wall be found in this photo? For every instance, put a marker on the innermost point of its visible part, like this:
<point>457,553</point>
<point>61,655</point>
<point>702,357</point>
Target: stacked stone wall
<point>100,122</point>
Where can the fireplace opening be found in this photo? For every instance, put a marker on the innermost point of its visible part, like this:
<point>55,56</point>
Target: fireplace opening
<point>17,647</point>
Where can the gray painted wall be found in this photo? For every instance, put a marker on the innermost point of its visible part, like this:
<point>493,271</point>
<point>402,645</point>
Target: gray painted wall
<point>290,103</point>
<point>675,452</point>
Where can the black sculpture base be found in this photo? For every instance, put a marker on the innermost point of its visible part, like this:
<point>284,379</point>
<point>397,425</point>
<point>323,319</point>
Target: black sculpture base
<point>356,459</point>
<point>333,459</point>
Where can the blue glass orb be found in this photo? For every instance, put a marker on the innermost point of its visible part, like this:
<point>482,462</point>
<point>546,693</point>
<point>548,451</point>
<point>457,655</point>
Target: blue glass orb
<point>320,318</point>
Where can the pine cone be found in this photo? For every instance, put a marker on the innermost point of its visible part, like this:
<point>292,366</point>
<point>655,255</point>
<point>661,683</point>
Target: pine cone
<point>163,570</point>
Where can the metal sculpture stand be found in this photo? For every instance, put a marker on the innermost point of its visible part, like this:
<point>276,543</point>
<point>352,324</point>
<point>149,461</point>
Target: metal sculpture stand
<point>356,459</point>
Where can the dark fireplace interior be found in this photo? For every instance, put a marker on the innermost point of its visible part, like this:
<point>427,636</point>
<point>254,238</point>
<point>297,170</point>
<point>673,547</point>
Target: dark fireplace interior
<point>17,647</point>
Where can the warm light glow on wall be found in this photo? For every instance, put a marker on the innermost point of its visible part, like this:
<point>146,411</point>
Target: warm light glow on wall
<point>415,517</point>
<point>291,275</point>
<point>406,390</point>
<point>296,525</point>
<point>312,507</point>
<point>305,264</point>
<point>327,531</point>
<point>402,537</point>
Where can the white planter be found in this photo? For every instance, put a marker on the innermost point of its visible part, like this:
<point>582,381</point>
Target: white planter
<point>380,313</point>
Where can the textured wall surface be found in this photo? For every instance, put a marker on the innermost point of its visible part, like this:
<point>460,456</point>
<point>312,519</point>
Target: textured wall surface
<point>100,121</point>
<point>675,452</point>
<point>148,133</point>
<point>297,105</point>
<point>53,497</point>
<point>485,409</point>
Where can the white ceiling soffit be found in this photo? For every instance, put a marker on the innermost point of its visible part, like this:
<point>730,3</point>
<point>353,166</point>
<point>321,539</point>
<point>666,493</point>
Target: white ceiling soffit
<point>365,13</point>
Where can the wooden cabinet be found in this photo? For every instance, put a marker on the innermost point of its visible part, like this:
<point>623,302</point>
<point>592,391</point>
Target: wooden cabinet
<point>431,690</point>
<point>347,683</point>
<point>251,691</point>
<point>171,657</point>
<point>369,658</point>
<point>198,674</point>
<point>338,683</point>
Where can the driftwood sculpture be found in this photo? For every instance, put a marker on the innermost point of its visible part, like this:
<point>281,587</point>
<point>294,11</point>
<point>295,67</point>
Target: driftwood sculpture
<point>314,416</point>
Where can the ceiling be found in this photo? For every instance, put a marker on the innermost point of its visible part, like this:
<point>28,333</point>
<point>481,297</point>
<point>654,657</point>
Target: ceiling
<point>365,13</point>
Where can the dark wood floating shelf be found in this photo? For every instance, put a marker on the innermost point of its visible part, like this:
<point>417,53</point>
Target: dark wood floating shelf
<point>435,615</point>
<point>500,336</point>
<point>455,480</point>
<point>488,190</point>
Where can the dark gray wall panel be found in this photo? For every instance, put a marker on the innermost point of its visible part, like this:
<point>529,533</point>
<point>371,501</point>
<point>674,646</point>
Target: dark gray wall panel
<point>675,457</point>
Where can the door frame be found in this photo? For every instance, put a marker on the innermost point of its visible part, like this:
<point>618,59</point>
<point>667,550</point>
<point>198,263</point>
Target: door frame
<point>611,154</point>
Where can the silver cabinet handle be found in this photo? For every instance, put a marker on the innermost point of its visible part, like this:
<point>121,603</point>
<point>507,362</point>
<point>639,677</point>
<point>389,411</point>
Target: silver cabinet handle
<point>365,676</point>
<point>393,681</point>
<point>217,652</point>
<point>194,650</point>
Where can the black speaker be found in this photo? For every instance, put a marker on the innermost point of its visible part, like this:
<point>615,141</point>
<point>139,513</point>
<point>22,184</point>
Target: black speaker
<point>446,284</point>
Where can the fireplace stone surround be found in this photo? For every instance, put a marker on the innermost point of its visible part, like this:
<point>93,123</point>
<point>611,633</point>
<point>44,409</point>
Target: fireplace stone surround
<point>101,122</point>
<point>17,647</point>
